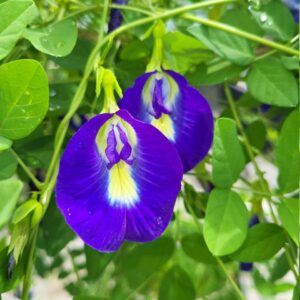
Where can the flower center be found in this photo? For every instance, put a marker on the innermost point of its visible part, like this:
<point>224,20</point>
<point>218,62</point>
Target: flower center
<point>116,141</point>
<point>118,147</point>
<point>159,94</point>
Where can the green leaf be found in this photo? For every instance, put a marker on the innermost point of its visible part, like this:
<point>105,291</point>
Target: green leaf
<point>280,267</point>
<point>296,292</point>
<point>10,190</point>
<point>197,201</point>
<point>4,143</point>
<point>60,98</point>
<point>96,262</point>
<point>276,20</point>
<point>236,49</point>
<point>269,82</point>
<point>37,214</point>
<point>57,39</point>
<point>84,297</point>
<point>263,242</point>
<point>7,283</point>
<point>181,51</point>
<point>19,238</point>
<point>55,233</point>
<point>135,49</point>
<point>15,15</point>
<point>23,97</point>
<point>77,59</point>
<point>176,285</point>
<point>8,164</point>
<point>36,149</point>
<point>256,133</point>
<point>231,47</point>
<point>127,72</point>
<point>267,288</point>
<point>228,158</point>
<point>226,222</point>
<point>287,153</point>
<point>24,210</point>
<point>195,247</point>
<point>213,73</point>
<point>145,260</point>
<point>290,62</point>
<point>289,215</point>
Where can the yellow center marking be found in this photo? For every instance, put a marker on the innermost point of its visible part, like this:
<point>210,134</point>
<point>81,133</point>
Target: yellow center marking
<point>165,125</point>
<point>122,190</point>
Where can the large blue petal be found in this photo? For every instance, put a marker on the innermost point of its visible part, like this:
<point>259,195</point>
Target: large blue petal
<point>158,172</point>
<point>190,122</point>
<point>80,190</point>
<point>132,198</point>
<point>132,100</point>
<point>193,121</point>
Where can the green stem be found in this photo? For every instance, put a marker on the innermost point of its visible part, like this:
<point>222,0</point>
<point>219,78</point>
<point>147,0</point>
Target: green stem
<point>29,266</point>
<point>252,191</point>
<point>36,182</point>
<point>75,269</point>
<point>248,147</point>
<point>139,287</point>
<point>259,173</point>
<point>235,287</point>
<point>274,51</point>
<point>219,261</point>
<point>103,19</point>
<point>288,255</point>
<point>207,22</point>
<point>242,33</point>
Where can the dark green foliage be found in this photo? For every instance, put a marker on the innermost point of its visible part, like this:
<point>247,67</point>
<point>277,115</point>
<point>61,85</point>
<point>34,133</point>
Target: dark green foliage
<point>48,79</point>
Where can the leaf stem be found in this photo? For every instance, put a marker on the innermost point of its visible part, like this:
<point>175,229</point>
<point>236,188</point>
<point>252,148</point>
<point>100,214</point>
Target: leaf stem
<point>274,51</point>
<point>233,284</point>
<point>76,271</point>
<point>219,261</point>
<point>207,22</point>
<point>36,182</point>
<point>29,266</point>
<point>244,34</point>
<point>259,173</point>
<point>103,19</point>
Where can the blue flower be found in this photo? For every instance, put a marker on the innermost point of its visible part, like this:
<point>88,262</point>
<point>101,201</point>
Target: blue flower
<point>116,17</point>
<point>165,100</point>
<point>118,180</point>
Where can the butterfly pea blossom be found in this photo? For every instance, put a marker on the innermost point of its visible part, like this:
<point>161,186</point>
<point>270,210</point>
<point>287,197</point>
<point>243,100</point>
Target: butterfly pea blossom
<point>118,180</point>
<point>164,99</point>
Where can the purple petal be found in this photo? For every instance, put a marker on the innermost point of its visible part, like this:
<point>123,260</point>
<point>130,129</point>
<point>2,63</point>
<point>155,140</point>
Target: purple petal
<point>80,190</point>
<point>132,100</point>
<point>190,119</point>
<point>126,150</point>
<point>104,207</point>
<point>158,173</point>
<point>110,150</point>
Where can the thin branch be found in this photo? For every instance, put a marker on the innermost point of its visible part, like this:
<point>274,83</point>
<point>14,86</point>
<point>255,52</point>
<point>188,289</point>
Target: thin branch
<point>36,182</point>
